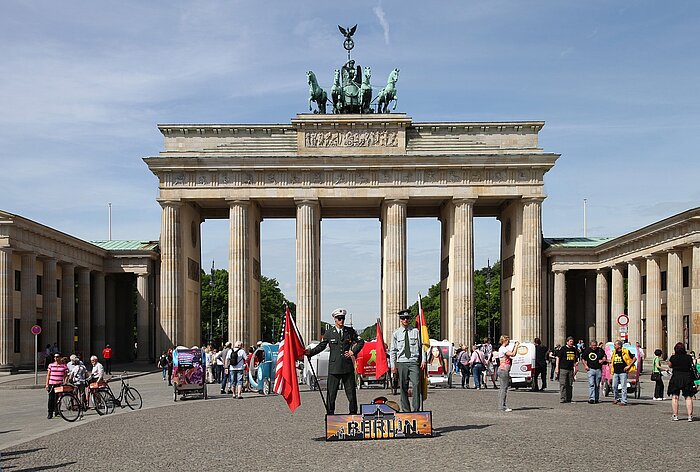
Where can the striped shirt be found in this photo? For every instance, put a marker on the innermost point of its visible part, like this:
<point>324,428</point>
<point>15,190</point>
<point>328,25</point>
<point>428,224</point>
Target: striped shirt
<point>56,373</point>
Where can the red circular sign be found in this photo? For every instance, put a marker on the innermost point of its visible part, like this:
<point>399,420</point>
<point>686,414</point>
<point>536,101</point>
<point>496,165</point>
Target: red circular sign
<point>623,320</point>
<point>36,330</point>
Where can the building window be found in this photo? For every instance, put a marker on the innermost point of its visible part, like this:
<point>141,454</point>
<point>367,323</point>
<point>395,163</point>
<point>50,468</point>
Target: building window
<point>58,289</point>
<point>663,281</point>
<point>16,335</point>
<point>686,276</point>
<point>18,280</point>
<point>644,284</point>
<point>39,285</point>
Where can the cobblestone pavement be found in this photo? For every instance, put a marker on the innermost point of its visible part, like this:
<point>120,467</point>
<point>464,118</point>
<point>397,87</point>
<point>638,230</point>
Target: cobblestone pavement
<point>259,433</point>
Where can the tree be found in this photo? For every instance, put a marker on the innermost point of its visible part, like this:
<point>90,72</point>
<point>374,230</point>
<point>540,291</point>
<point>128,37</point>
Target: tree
<point>431,309</point>
<point>272,302</point>
<point>487,300</point>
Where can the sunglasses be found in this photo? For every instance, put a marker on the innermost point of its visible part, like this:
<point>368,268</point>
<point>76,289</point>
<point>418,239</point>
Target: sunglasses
<point>404,317</point>
<point>341,318</point>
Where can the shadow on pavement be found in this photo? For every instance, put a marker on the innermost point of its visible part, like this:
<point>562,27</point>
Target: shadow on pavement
<point>9,431</point>
<point>463,427</point>
<point>7,455</point>
<point>526,408</point>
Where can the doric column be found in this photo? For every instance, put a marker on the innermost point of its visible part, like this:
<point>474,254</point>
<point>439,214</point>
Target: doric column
<point>531,307</point>
<point>7,278</point>
<point>239,302</point>
<point>308,267</point>
<point>98,313</point>
<point>28,313</point>
<point>170,276</point>
<point>590,305</point>
<point>618,299</point>
<point>634,302</point>
<point>142,317</point>
<point>559,306</point>
<point>674,305</point>
<point>695,298</point>
<point>67,308</point>
<point>653,305</point>
<point>462,272</point>
<point>601,306</point>
<point>84,312</point>
<point>393,263</point>
<point>50,302</point>
<point>110,311</point>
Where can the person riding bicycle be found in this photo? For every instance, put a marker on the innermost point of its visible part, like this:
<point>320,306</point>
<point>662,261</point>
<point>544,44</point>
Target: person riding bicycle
<point>98,373</point>
<point>77,374</point>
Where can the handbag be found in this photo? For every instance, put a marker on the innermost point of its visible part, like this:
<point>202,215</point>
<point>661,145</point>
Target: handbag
<point>655,376</point>
<point>694,374</point>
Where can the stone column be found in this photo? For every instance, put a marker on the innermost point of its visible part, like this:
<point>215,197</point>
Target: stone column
<point>674,304</point>
<point>142,317</point>
<point>28,313</point>
<point>463,322</point>
<point>695,298</point>
<point>393,264</point>
<point>618,300</point>
<point>50,302</point>
<point>98,313</point>
<point>559,306</point>
<point>590,302</point>
<point>308,267</point>
<point>653,305</point>
<point>110,311</point>
<point>171,282</point>
<point>7,278</point>
<point>531,284</point>
<point>634,302</point>
<point>84,312</point>
<point>67,308</point>
<point>601,306</point>
<point>239,302</point>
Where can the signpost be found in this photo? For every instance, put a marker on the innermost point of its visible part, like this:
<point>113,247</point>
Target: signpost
<point>36,331</point>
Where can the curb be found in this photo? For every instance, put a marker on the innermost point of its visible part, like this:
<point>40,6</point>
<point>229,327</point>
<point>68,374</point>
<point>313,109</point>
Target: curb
<point>41,386</point>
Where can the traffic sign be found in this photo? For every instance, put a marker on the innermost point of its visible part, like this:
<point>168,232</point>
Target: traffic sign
<point>623,320</point>
<point>36,330</point>
<point>624,329</point>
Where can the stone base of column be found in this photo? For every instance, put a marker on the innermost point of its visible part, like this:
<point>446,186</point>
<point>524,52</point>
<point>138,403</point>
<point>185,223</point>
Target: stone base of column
<point>8,369</point>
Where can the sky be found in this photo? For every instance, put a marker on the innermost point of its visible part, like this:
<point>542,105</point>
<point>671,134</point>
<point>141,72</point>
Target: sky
<point>85,83</point>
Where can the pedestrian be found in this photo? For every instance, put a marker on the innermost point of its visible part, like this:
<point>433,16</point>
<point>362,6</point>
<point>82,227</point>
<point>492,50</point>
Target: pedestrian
<point>566,369</point>
<point>344,345</point>
<point>477,362</point>
<point>236,363</point>
<point>107,356</point>
<point>47,356</point>
<point>463,365</point>
<point>407,358</point>
<point>224,368</point>
<point>56,374</point>
<point>640,358</point>
<point>593,357</point>
<point>540,366</point>
<point>208,364</point>
<point>163,364</point>
<point>505,361</point>
<point>218,365</point>
<point>656,376</point>
<point>170,367</point>
<point>681,380</point>
<point>489,371</point>
<point>553,359</point>
<point>622,361</point>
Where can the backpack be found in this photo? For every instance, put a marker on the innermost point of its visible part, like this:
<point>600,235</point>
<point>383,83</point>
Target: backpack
<point>163,361</point>
<point>463,358</point>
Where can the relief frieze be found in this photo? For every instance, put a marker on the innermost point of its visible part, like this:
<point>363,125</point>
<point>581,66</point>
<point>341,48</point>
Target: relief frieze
<point>351,139</point>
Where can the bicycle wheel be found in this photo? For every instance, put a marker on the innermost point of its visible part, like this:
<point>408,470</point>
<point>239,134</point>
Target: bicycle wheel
<point>132,397</point>
<point>103,403</point>
<point>69,407</point>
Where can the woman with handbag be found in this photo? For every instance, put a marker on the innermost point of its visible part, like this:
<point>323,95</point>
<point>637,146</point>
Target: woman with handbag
<point>682,380</point>
<point>656,375</point>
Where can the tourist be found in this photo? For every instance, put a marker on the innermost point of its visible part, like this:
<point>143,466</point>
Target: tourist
<point>47,356</point>
<point>656,376</point>
<point>681,381</point>
<point>621,361</point>
<point>640,358</point>
<point>553,359</point>
<point>224,355</point>
<point>477,362</point>
<point>463,364</point>
<point>593,357</point>
<point>566,369</point>
<point>98,371</point>
<point>540,367</point>
<point>107,356</point>
<point>77,375</point>
<point>489,371</point>
<point>163,364</point>
<point>208,364</point>
<point>236,366</point>
<point>56,374</point>
<point>505,361</point>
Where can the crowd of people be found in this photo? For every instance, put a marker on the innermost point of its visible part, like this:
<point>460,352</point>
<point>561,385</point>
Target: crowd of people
<point>71,370</point>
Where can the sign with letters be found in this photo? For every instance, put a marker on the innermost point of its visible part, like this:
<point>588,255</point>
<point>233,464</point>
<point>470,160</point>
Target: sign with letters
<point>379,421</point>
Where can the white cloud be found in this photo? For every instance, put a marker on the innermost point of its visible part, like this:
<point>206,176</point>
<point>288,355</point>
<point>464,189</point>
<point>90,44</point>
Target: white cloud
<point>381,16</point>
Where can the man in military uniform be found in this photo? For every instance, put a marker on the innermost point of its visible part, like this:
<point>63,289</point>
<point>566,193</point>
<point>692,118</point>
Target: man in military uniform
<point>408,359</point>
<point>344,344</point>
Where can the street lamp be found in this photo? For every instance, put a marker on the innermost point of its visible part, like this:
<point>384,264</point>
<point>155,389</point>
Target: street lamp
<point>488,295</point>
<point>211,302</point>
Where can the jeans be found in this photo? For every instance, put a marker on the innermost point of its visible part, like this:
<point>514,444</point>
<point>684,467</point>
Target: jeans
<point>464,371</point>
<point>224,379</point>
<point>551,373</point>
<point>620,379</point>
<point>476,373</point>
<point>503,376</point>
<point>566,385</point>
<point>165,371</point>
<point>594,377</point>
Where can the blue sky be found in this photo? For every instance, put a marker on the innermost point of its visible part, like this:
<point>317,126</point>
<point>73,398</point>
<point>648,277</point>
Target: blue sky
<point>84,84</point>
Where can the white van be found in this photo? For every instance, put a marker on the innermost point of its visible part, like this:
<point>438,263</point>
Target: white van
<point>523,367</point>
<point>320,365</point>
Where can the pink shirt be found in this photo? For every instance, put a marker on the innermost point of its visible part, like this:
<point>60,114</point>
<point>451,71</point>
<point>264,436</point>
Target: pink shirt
<point>57,372</point>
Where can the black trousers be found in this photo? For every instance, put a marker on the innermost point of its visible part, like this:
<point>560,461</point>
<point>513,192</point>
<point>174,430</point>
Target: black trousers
<point>464,370</point>
<point>108,366</point>
<point>659,388</point>
<point>52,407</point>
<point>350,391</point>
<point>540,371</point>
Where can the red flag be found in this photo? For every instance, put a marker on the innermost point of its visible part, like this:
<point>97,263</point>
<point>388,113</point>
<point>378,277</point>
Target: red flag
<point>290,350</point>
<point>382,366</point>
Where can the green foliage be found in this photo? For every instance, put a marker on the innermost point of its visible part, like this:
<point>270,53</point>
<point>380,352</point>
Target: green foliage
<point>369,333</point>
<point>272,309</point>
<point>487,300</point>
<point>431,308</point>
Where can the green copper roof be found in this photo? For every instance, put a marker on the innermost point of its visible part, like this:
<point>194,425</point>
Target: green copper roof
<point>127,245</point>
<point>568,243</point>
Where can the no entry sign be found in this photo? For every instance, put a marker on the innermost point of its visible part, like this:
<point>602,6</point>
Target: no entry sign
<point>623,320</point>
<point>36,330</point>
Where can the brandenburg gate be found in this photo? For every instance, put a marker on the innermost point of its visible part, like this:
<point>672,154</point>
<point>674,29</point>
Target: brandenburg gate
<point>375,165</point>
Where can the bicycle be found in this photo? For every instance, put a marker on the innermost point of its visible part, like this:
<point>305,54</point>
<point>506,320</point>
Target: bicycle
<point>128,396</point>
<point>72,402</point>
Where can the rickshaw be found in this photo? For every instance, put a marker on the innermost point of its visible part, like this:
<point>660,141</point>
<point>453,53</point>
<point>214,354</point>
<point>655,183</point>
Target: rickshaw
<point>261,368</point>
<point>367,367</point>
<point>633,384</point>
<point>188,372</point>
<point>440,364</point>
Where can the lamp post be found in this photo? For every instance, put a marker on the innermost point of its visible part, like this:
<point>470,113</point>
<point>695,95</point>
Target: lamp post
<point>488,295</point>
<point>211,302</point>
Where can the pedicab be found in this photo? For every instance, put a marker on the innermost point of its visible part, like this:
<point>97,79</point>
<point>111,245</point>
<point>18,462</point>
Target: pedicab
<point>440,366</point>
<point>188,372</point>
<point>633,384</point>
<point>367,367</point>
<point>261,368</point>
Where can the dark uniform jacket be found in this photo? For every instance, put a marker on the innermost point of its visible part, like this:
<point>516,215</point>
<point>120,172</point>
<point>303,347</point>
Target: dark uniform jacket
<point>338,363</point>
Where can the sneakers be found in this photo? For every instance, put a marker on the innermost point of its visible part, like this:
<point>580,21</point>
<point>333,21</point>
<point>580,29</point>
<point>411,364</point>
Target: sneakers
<point>674,417</point>
<point>507,410</point>
<point>591,402</point>
<point>690,419</point>
<point>622,404</point>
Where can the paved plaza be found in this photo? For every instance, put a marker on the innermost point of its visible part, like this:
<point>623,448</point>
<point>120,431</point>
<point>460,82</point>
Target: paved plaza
<point>259,433</point>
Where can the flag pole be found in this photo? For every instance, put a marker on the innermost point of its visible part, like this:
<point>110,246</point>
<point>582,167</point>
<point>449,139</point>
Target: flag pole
<point>423,376</point>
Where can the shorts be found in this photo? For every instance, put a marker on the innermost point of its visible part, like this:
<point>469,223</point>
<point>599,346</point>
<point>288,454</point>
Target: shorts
<point>237,377</point>
<point>681,383</point>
